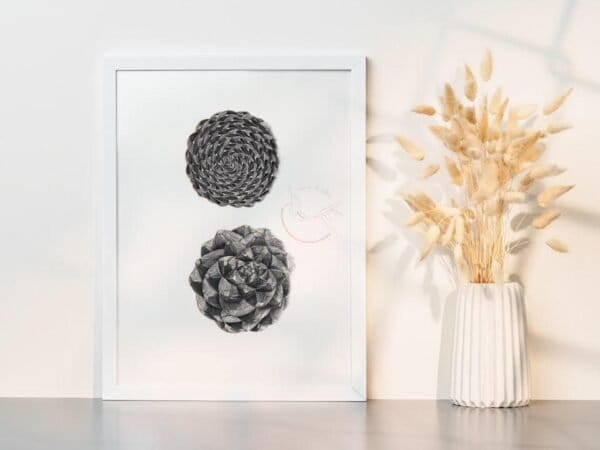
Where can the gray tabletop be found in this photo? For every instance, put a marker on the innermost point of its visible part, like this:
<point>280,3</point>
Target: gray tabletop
<point>404,424</point>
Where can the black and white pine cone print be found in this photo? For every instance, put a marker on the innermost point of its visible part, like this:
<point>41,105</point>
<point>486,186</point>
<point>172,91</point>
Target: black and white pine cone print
<point>232,159</point>
<point>242,279</point>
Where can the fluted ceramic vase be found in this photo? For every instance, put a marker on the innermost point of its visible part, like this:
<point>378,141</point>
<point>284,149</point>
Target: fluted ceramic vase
<point>490,367</point>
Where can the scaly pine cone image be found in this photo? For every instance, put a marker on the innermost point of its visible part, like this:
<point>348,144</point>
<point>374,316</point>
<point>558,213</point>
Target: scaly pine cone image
<point>232,159</point>
<point>242,279</point>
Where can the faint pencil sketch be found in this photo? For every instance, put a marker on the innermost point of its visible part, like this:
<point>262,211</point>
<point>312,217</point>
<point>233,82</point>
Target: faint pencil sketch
<point>310,214</point>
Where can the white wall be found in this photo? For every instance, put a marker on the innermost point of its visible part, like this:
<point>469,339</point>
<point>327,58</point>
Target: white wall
<point>49,132</point>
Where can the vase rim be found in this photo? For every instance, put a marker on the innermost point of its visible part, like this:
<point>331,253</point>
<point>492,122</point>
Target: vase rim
<point>493,284</point>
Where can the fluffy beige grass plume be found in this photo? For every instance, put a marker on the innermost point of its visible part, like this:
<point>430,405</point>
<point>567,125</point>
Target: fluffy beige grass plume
<point>493,151</point>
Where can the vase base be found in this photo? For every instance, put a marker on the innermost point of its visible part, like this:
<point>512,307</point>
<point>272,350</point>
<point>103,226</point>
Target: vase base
<point>491,404</point>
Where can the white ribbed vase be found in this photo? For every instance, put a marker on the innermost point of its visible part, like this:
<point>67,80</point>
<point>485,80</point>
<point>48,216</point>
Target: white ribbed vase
<point>490,367</point>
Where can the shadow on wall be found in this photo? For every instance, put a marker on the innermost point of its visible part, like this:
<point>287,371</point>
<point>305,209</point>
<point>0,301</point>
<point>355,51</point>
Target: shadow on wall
<point>446,341</point>
<point>568,351</point>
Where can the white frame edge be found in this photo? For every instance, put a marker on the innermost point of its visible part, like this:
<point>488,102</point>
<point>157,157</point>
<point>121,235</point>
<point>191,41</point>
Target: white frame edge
<point>106,247</point>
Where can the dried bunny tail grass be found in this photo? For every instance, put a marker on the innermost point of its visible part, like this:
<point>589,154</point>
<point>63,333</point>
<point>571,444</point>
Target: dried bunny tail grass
<point>557,102</point>
<point>487,66</point>
<point>453,141</point>
<point>495,129</point>
<point>483,120</point>
<point>471,182</point>
<point>496,102</point>
<point>415,219</point>
<point>539,172</point>
<point>557,246</point>
<point>431,237</point>
<point>459,229</point>
<point>469,114</point>
<point>494,149</point>
<point>458,126</point>
<point>550,194</point>
<point>546,218</point>
<point>517,132</point>
<point>449,101</point>
<point>488,181</point>
<point>471,139</point>
<point>557,127</point>
<point>505,175</point>
<point>461,264</point>
<point>468,213</point>
<point>424,109</point>
<point>411,149</point>
<point>454,172</point>
<point>499,147</point>
<point>544,171</point>
<point>450,211</point>
<point>439,132</point>
<point>429,171</point>
<point>512,124</point>
<point>445,113</point>
<point>419,202</point>
<point>473,152</point>
<point>520,146</point>
<point>498,271</point>
<point>526,141</point>
<point>448,232</point>
<point>502,109</point>
<point>514,197</point>
<point>470,84</point>
<point>450,138</point>
<point>494,206</point>
<point>531,155</point>
<point>523,112</point>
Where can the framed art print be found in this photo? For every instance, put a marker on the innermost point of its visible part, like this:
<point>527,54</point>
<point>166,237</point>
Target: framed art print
<point>232,256</point>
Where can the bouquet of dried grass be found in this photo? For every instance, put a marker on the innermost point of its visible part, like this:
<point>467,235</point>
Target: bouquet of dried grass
<point>494,151</point>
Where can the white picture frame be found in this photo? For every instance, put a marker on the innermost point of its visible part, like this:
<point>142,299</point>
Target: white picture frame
<point>354,388</point>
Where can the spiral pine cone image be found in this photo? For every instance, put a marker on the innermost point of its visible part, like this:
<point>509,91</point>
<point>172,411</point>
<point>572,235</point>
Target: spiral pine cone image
<point>232,159</point>
<point>242,279</point>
